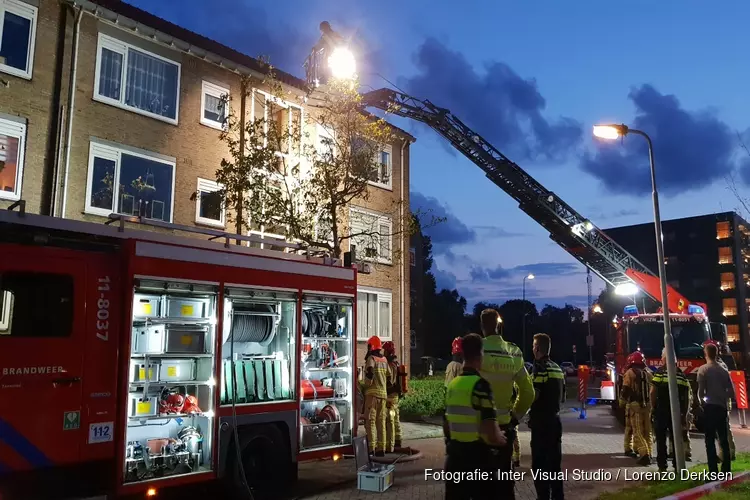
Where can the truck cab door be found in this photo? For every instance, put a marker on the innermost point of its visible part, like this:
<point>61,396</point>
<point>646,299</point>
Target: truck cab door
<point>42,310</point>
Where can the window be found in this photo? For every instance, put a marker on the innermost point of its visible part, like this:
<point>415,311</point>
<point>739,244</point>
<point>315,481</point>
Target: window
<point>284,117</point>
<point>412,257</point>
<point>725,255</point>
<point>137,80</point>
<point>270,232</point>
<point>727,281</point>
<point>729,306</point>
<point>129,182</point>
<point>24,294</point>
<point>733,333</point>
<point>382,177</point>
<point>374,315</point>
<point>208,204</point>
<point>12,142</point>
<point>371,234</point>
<point>723,230</point>
<point>17,35</point>
<point>214,106</point>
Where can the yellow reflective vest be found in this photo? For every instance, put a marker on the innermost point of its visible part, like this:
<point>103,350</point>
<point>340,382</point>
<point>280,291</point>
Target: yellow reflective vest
<point>464,420</point>
<point>504,369</point>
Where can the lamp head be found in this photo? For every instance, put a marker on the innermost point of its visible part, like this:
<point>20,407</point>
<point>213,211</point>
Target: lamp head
<point>342,63</point>
<point>610,132</point>
<point>530,276</point>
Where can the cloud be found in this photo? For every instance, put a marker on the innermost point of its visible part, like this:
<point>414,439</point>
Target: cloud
<point>692,148</point>
<point>496,232</point>
<point>597,214</point>
<point>498,103</point>
<point>238,24</point>
<point>483,274</point>
<point>449,232</point>
<point>550,268</point>
<point>443,279</point>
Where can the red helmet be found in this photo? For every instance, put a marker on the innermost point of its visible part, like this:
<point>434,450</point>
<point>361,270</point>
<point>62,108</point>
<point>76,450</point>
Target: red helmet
<point>389,348</point>
<point>458,346</point>
<point>191,405</point>
<point>711,342</point>
<point>172,403</point>
<point>374,343</point>
<point>637,358</point>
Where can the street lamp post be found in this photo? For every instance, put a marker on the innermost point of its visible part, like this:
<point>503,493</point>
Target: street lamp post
<point>613,132</point>
<point>523,318</point>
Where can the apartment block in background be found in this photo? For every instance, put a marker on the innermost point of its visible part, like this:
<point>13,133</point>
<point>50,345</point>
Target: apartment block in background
<point>139,133</point>
<point>707,259</point>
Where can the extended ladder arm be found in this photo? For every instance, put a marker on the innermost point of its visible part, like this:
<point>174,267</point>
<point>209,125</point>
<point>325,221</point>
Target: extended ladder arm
<point>576,234</point>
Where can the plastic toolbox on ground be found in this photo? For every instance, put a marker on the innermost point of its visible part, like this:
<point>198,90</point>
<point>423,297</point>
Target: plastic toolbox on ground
<point>370,476</point>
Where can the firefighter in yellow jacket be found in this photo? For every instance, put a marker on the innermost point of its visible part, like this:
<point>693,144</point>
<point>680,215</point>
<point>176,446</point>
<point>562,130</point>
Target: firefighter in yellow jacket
<point>377,376</point>
<point>634,398</point>
<point>393,389</point>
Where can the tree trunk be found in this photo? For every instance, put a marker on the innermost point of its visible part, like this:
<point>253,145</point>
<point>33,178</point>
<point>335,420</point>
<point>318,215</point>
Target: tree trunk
<point>238,208</point>
<point>335,233</point>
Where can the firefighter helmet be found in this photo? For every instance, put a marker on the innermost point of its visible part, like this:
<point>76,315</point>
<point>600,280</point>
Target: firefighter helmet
<point>191,405</point>
<point>389,348</point>
<point>374,343</point>
<point>637,358</point>
<point>711,342</point>
<point>171,403</point>
<point>458,346</point>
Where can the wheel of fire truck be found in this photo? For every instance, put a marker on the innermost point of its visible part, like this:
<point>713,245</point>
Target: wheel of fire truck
<point>267,462</point>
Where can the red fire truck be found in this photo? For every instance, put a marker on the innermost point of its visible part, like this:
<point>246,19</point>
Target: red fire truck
<point>133,361</point>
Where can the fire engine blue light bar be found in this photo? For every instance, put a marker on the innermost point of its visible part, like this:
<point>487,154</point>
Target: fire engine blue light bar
<point>630,310</point>
<point>694,309</point>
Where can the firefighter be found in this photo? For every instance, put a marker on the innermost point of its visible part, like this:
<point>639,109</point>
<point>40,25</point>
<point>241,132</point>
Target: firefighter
<point>544,419</point>
<point>454,367</point>
<point>660,410</point>
<point>393,420</point>
<point>377,375</point>
<point>470,426</point>
<point>504,368</point>
<point>634,398</point>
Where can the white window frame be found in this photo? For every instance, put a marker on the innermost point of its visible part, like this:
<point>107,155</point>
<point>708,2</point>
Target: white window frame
<point>380,220</point>
<point>28,12</point>
<point>413,257</point>
<point>110,151</point>
<point>381,297</point>
<point>387,148</point>
<point>208,186</point>
<point>284,104</point>
<point>265,235</point>
<point>219,92</point>
<point>18,130</point>
<point>124,48</point>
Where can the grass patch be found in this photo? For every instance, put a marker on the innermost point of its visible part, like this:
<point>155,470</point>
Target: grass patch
<point>653,490</point>
<point>426,397</point>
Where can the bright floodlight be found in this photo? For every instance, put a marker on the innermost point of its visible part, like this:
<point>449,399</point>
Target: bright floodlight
<point>342,63</point>
<point>607,131</point>
<point>626,289</point>
<point>499,319</point>
<point>597,309</point>
<point>530,276</point>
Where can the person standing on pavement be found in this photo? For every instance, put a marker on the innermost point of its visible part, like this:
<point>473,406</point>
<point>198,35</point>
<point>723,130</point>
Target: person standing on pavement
<point>661,415</point>
<point>454,368</point>
<point>634,398</point>
<point>730,437</point>
<point>715,388</point>
<point>503,366</point>
<point>377,376</point>
<point>544,419</point>
<point>470,427</point>
<point>393,389</point>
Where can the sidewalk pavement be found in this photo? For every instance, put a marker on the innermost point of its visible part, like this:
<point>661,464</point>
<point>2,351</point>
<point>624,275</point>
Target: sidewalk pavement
<point>593,445</point>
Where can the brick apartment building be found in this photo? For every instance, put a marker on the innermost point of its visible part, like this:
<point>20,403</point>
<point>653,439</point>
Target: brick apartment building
<point>707,259</point>
<point>145,110</point>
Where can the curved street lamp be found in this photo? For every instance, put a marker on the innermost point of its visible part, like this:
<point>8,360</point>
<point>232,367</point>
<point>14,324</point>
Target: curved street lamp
<point>613,132</point>
<point>523,318</point>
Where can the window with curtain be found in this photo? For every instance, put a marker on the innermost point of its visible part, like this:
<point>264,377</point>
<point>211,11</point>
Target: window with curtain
<point>12,145</point>
<point>17,34</point>
<point>371,235</point>
<point>133,78</point>
<point>374,315</point>
<point>214,105</point>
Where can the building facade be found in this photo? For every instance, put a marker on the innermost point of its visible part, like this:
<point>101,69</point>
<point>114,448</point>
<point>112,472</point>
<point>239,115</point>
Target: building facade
<point>417,336</point>
<point>707,259</point>
<point>105,108</point>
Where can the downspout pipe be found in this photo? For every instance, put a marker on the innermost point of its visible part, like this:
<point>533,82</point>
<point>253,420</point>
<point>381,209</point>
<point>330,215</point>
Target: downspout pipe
<point>404,262</point>
<point>71,106</point>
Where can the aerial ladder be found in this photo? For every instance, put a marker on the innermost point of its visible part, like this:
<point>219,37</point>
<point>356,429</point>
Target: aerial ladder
<point>573,232</point>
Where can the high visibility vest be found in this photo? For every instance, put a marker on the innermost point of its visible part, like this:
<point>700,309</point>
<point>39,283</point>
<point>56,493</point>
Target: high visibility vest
<point>502,361</point>
<point>463,420</point>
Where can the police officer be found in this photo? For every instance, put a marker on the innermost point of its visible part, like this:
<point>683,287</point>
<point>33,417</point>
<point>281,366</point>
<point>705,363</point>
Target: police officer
<point>660,409</point>
<point>470,426</point>
<point>503,367</point>
<point>634,398</point>
<point>544,419</point>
